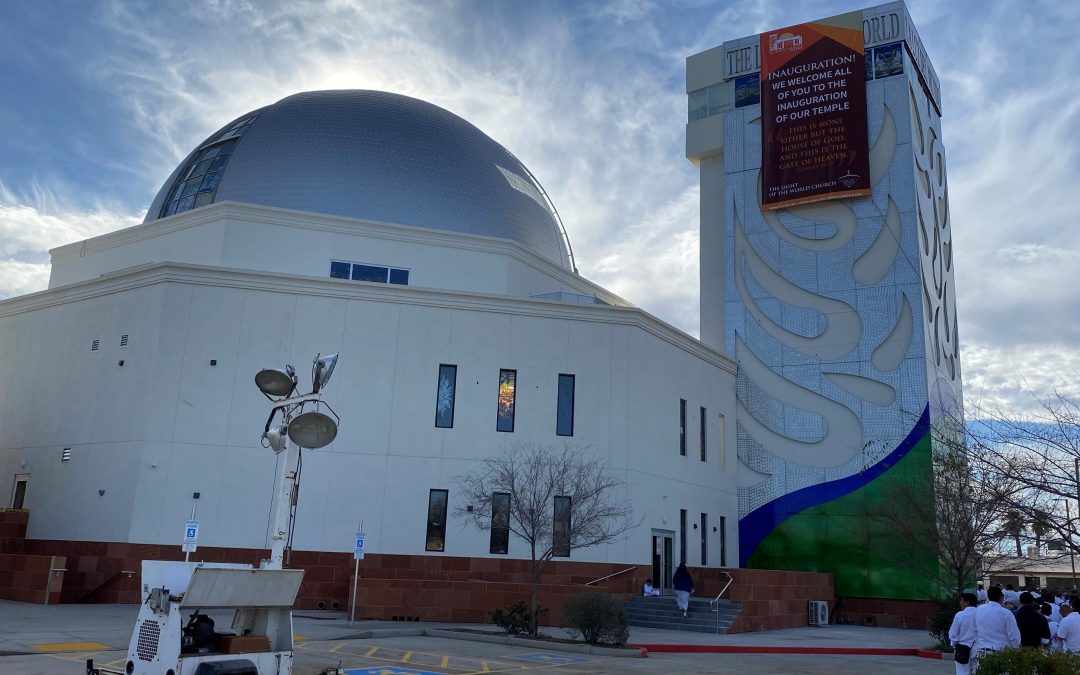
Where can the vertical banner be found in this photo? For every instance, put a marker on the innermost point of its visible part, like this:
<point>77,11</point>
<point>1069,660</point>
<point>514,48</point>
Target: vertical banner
<point>813,113</point>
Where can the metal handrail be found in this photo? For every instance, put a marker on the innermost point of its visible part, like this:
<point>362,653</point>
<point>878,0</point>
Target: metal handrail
<point>715,602</point>
<point>596,581</point>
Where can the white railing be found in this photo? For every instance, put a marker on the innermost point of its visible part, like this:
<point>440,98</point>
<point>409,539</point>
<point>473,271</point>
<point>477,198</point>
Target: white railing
<point>628,569</point>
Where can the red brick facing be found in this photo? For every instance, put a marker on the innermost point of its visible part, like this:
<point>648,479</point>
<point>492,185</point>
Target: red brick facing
<point>440,588</point>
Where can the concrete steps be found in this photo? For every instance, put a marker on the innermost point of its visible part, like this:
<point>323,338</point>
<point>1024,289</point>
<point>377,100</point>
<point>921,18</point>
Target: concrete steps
<point>663,612</point>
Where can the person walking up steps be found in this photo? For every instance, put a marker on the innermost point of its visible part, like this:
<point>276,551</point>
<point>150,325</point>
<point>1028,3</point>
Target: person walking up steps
<point>683,584</point>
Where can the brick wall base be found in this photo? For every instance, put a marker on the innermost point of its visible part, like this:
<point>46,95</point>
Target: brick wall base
<point>439,588</point>
<point>13,530</point>
<point>915,614</point>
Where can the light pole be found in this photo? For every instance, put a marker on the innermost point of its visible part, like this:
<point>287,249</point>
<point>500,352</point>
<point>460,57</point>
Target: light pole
<point>1069,542</point>
<point>306,429</point>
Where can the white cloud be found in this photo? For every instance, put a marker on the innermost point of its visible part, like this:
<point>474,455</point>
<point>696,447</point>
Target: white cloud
<point>32,224</point>
<point>591,99</point>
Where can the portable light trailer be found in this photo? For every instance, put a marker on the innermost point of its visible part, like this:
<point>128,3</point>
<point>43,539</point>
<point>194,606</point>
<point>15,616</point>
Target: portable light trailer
<point>174,636</point>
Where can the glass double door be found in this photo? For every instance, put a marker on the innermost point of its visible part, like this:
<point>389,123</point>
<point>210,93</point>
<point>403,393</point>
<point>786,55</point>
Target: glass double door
<point>663,555</point>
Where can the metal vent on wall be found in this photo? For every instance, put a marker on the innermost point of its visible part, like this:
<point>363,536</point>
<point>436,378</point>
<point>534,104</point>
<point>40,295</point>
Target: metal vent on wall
<point>123,340</point>
<point>65,455</point>
<point>95,345</point>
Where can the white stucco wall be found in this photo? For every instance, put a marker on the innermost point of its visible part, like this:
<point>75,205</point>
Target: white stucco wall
<point>167,423</point>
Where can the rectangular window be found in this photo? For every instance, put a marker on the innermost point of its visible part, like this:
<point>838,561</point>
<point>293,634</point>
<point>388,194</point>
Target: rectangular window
<point>340,270</point>
<point>564,424</point>
<point>723,541</point>
<point>500,522</point>
<point>436,520</point>
<point>560,535</point>
<point>698,105</point>
<point>720,440</point>
<point>704,539</point>
<point>507,397</point>
<point>682,535</point>
<point>682,427</point>
<point>704,423</point>
<point>445,395</point>
<point>369,273</point>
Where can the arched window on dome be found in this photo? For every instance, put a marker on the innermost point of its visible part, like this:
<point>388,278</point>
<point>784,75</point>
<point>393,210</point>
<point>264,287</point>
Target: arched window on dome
<point>197,184</point>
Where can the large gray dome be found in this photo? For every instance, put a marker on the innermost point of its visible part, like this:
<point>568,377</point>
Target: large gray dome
<point>370,155</point>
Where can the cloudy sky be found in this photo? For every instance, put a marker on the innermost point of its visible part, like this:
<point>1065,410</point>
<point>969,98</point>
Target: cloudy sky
<point>100,100</point>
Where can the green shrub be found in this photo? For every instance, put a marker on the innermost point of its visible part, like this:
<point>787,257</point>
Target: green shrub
<point>597,618</point>
<point>940,623</point>
<point>1028,661</point>
<point>514,620</point>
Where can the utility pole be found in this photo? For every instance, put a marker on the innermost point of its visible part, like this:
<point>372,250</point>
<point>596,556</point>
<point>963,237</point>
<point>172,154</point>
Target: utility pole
<point>1068,526</point>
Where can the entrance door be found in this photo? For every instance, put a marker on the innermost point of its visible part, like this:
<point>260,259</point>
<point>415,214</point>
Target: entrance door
<point>663,552</point>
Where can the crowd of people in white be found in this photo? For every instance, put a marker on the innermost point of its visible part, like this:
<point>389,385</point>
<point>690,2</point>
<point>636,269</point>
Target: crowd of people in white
<point>997,618</point>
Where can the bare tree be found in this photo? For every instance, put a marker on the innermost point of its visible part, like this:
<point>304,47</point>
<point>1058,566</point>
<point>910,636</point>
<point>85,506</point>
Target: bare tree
<point>538,479</point>
<point>1040,452</point>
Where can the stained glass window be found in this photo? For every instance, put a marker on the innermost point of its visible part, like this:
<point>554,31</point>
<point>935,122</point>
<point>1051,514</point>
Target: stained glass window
<point>444,397</point>
<point>507,397</point>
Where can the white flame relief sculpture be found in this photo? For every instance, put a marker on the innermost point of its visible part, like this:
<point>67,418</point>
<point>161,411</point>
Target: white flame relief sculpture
<point>829,381</point>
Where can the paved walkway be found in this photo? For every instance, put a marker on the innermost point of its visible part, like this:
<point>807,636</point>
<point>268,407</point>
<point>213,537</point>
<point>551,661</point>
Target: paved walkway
<point>26,628</point>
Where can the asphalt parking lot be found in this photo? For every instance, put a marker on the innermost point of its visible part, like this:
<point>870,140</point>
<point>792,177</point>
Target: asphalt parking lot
<point>429,656</point>
<point>58,639</point>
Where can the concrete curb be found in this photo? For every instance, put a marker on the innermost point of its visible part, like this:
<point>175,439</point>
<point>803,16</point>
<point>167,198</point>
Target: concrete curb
<point>763,649</point>
<point>636,652</point>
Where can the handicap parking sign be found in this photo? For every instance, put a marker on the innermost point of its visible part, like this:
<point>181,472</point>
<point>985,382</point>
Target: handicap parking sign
<point>191,536</point>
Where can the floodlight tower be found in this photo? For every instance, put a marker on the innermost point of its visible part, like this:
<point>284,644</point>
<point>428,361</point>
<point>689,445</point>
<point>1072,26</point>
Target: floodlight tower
<point>305,428</point>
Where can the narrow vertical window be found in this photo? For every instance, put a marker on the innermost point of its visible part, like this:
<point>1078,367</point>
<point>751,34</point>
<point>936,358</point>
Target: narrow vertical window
<point>18,497</point>
<point>704,539</point>
<point>500,522</point>
<point>723,541</point>
<point>507,397</point>
<point>682,427</point>
<point>682,535</point>
<point>564,424</point>
<point>436,520</point>
<point>445,395</point>
<point>560,536</point>
<point>720,441</point>
<point>704,423</point>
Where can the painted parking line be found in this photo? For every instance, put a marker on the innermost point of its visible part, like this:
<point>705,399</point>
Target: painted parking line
<point>388,670</point>
<point>552,659</point>
<point>70,647</point>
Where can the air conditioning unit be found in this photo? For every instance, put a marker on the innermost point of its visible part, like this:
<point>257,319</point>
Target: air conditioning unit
<point>818,612</point>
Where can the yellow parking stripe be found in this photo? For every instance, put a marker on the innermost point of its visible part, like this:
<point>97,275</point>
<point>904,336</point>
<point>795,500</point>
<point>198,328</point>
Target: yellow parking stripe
<point>445,662</point>
<point>70,647</point>
<point>406,657</point>
<point>371,651</point>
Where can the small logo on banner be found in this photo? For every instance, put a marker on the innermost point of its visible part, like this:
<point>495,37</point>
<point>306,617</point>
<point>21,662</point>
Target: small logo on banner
<point>848,180</point>
<point>785,42</point>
